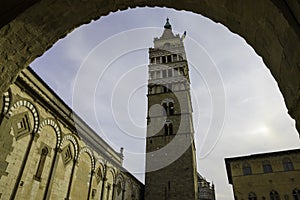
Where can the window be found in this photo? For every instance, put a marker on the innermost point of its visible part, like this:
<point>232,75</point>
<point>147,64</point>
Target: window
<point>287,164</point>
<point>296,194</point>
<point>180,57</point>
<point>274,195</point>
<point>164,60</point>
<point>166,131</point>
<point>252,196</point>
<point>152,60</point>
<point>267,167</point>
<point>151,75</point>
<point>247,169</point>
<point>181,71</point>
<point>169,72</point>
<point>174,57</point>
<point>158,74</point>
<point>171,108</point>
<point>169,58</point>
<point>168,128</point>
<point>164,73</point>
<point>165,89</point>
<point>176,72</point>
<point>158,60</point>
<point>168,105</point>
<point>151,89</point>
<point>165,110</point>
<point>40,168</point>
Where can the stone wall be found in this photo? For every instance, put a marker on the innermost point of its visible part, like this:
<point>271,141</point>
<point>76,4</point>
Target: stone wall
<point>43,156</point>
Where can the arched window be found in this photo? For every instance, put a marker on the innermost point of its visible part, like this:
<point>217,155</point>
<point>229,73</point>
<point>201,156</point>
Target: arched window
<point>158,60</point>
<point>274,195</point>
<point>165,110</point>
<point>40,168</point>
<point>168,127</point>
<point>247,169</point>
<point>252,196</point>
<point>267,167</point>
<point>168,105</point>
<point>171,108</point>
<point>296,194</point>
<point>169,58</point>
<point>174,57</point>
<point>287,164</point>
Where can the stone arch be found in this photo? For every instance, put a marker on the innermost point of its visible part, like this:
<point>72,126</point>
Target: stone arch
<point>31,107</point>
<point>101,168</point>
<point>41,160</point>
<point>110,180</point>
<point>6,101</point>
<point>73,141</point>
<point>66,164</point>
<point>90,153</point>
<point>135,194</point>
<point>54,125</point>
<point>119,186</point>
<point>120,177</point>
<point>128,189</point>
<point>82,181</point>
<point>97,180</point>
<point>112,170</point>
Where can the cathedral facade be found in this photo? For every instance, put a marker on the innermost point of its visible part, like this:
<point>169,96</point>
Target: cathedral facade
<point>48,152</point>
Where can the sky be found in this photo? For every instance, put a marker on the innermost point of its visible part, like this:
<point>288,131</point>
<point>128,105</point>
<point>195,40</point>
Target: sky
<point>100,71</point>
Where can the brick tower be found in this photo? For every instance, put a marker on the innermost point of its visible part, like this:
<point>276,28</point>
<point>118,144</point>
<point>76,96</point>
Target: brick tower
<point>170,160</point>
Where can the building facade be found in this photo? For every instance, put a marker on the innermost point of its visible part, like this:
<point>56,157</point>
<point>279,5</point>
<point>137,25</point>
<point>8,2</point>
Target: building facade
<point>266,176</point>
<point>170,150</point>
<point>206,190</point>
<point>48,152</point>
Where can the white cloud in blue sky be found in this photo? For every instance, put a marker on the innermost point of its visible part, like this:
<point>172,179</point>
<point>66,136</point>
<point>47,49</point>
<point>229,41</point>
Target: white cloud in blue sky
<point>256,119</point>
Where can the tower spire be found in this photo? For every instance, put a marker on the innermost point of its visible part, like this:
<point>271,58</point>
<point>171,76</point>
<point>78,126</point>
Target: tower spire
<point>168,25</point>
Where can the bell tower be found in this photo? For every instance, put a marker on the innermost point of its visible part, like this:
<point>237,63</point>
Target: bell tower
<point>170,160</point>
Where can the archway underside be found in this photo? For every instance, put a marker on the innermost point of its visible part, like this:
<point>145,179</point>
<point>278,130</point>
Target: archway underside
<point>271,27</point>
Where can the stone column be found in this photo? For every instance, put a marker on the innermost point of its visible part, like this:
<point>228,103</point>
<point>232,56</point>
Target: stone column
<point>113,191</point>
<point>90,184</point>
<point>52,173</point>
<point>71,180</point>
<point>103,182</point>
<point>14,192</point>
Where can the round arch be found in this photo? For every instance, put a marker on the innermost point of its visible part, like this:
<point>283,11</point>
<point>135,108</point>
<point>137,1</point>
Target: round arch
<point>91,155</point>
<point>271,27</point>
<point>30,106</point>
<point>74,142</point>
<point>54,125</point>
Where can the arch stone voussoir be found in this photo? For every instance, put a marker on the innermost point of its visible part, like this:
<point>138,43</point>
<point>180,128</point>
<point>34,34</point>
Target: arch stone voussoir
<point>271,27</point>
